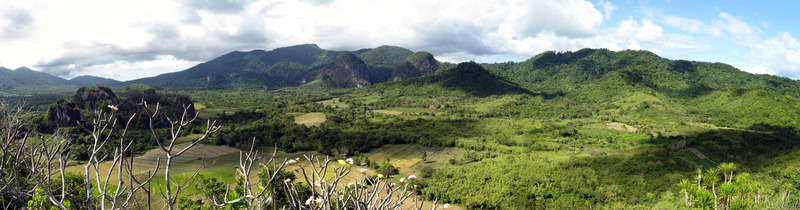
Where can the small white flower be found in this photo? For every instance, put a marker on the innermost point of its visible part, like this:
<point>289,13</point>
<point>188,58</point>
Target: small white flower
<point>351,184</point>
<point>402,180</point>
<point>392,184</point>
<point>363,170</point>
<point>314,201</point>
<point>310,200</point>
<point>319,183</point>
<point>291,162</point>
<point>112,107</point>
<point>412,177</point>
<point>287,181</point>
<point>349,161</point>
<point>297,159</point>
<point>446,205</point>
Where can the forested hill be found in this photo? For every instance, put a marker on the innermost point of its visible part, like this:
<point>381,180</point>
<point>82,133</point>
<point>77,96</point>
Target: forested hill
<point>599,80</point>
<point>27,78</point>
<point>278,68</point>
<point>469,79</point>
<point>565,71</point>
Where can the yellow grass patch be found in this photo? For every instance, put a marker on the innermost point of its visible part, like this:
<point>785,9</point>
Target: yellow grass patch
<point>389,112</point>
<point>310,119</point>
<point>621,127</point>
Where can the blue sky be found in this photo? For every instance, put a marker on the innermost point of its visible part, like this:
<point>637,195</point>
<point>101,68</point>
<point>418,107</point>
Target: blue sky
<point>769,21</point>
<point>126,40</point>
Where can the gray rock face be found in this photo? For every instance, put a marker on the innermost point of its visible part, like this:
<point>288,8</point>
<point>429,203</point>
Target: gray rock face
<point>347,71</point>
<point>63,113</point>
<point>94,98</point>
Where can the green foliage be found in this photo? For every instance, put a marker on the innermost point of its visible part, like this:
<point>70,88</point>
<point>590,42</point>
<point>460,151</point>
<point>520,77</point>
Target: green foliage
<point>738,191</point>
<point>382,60</point>
<point>386,168</point>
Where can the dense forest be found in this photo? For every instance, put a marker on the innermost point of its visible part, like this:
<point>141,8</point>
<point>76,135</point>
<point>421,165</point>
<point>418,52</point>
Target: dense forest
<point>587,129</point>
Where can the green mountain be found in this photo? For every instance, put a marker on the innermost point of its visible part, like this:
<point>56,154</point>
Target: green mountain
<point>382,60</point>
<point>88,80</point>
<point>567,71</point>
<point>467,78</point>
<point>274,69</point>
<point>281,67</point>
<point>25,78</point>
<point>417,64</point>
<point>641,86</point>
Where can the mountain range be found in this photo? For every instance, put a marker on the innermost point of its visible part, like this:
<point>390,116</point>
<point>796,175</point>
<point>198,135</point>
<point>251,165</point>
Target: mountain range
<point>281,67</point>
<point>547,72</point>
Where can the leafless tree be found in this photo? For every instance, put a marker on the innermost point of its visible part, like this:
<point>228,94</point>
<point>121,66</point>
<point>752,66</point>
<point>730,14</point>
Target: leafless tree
<point>367,193</point>
<point>167,144</point>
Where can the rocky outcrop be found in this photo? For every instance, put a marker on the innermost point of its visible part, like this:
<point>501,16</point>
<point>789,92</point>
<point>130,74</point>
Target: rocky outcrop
<point>94,98</point>
<point>418,64</point>
<point>63,113</point>
<point>182,102</point>
<point>89,101</point>
<point>346,71</point>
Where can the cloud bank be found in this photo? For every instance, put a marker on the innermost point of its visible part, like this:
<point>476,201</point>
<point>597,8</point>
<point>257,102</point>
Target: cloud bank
<point>134,39</point>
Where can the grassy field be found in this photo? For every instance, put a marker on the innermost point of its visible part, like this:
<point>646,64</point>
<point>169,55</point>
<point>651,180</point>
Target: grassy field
<point>221,160</point>
<point>311,119</point>
<point>389,112</point>
<point>335,102</point>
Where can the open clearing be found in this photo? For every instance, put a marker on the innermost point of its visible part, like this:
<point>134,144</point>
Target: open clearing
<point>310,119</point>
<point>335,102</point>
<point>389,112</point>
<point>621,127</point>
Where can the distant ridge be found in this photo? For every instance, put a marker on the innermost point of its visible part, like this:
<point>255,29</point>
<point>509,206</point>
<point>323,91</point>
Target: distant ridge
<point>25,78</point>
<point>281,67</point>
<point>466,78</point>
<point>89,80</point>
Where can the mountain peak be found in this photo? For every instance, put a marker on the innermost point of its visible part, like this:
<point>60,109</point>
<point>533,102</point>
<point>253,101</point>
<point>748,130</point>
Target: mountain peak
<point>349,57</point>
<point>346,71</point>
<point>23,69</point>
<point>417,64</point>
<point>89,80</point>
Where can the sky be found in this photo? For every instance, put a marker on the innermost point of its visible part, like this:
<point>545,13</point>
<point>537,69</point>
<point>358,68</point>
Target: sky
<point>125,40</point>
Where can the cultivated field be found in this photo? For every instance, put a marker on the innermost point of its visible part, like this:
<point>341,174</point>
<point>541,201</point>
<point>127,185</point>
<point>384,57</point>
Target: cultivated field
<point>311,119</point>
<point>335,102</point>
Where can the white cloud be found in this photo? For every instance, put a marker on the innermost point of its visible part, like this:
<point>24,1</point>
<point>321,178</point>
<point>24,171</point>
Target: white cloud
<point>608,8</point>
<point>780,53</point>
<point>737,29</point>
<point>118,39</point>
<point>756,69</point>
<point>454,29</point>
<point>125,70</point>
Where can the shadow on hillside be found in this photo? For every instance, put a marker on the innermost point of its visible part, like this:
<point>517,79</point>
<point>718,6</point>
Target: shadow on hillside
<point>657,168</point>
<point>374,134</point>
<point>661,166</point>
